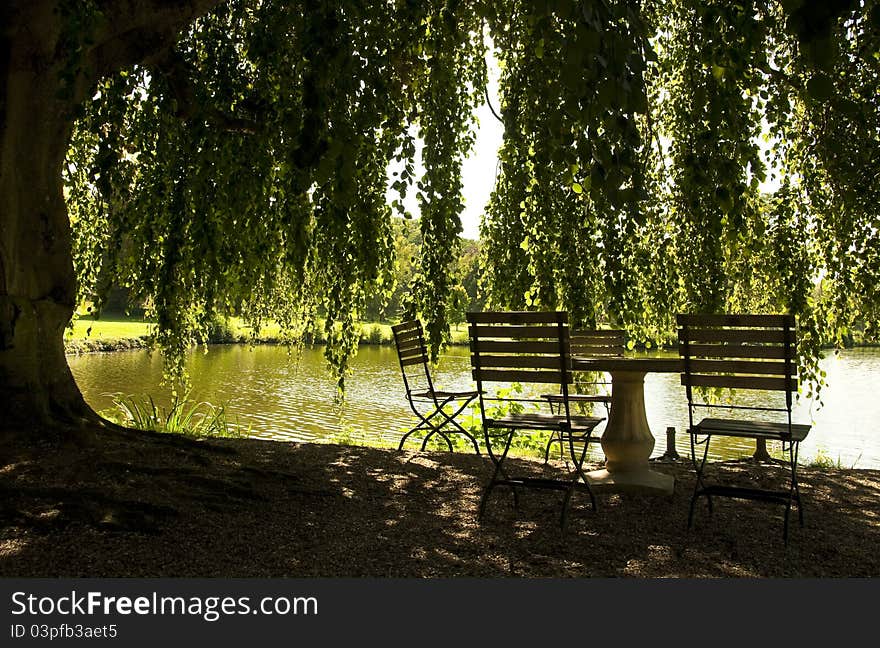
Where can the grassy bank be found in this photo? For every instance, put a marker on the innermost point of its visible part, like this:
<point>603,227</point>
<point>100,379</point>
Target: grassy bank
<point>88,335</point>
<point>108,334</point>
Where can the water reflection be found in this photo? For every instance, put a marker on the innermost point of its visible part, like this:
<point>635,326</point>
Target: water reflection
<point>291,397</point>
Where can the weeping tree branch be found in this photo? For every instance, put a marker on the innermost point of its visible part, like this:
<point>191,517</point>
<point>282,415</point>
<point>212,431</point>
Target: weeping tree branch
<point>130,32</point>
<point>177,73</point>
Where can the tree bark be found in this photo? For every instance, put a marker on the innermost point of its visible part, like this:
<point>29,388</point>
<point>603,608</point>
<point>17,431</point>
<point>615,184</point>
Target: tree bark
<point>37,288</point>
<point>42,80</point>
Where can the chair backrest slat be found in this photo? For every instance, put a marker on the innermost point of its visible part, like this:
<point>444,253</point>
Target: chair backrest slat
<point>514,317</point>
<point>739,352</point>
<point>740,382</point>
<point>510,332</point>
<point>414,360</point>
<point>594,351</point>
<point>408,352</point>
<point>739,336</point>
<point>598,343</point>
<point>750,320</point>
<point>522,376</point>
<point>520,362</point>
<point>409,325</point>
<point>409,337</point>
<point>521,347</point>
<point>412,351</point>
<point>757,367</point>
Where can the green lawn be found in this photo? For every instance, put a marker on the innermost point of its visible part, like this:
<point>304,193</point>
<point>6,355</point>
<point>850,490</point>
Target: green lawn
<point>107,329</point>
<point>119,327</point>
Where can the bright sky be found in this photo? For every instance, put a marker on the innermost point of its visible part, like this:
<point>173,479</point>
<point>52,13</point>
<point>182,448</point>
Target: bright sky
<point>478,170</point>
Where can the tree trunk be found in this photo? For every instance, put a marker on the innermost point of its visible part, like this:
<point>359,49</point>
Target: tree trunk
<point>37,280</point>
<point>48,66</point>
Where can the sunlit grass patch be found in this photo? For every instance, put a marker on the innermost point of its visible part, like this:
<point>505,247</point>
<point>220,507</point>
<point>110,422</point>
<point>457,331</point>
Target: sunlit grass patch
<point>109,329</point>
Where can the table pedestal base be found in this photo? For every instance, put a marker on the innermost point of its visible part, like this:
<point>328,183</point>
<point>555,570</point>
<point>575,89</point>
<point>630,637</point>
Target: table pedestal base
<point>631,481</point>
<point>627,442</point>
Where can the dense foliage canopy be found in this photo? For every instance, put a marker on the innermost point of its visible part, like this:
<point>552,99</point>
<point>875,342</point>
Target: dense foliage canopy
<point>658,157</point>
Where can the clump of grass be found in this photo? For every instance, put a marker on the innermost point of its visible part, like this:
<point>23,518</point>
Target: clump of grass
<point>348,435</point>
<point>184,416</point>
<point>823,461</point>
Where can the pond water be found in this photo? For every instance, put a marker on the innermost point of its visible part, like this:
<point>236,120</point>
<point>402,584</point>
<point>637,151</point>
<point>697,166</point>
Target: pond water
<point>291,396</point>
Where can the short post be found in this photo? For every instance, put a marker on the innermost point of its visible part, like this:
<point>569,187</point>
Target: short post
<point>761,453</point>
<point>671,452</point>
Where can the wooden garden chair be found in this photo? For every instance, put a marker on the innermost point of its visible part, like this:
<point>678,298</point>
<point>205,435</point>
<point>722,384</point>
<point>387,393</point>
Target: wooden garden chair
<point>742,352</point>
<point>589,343</point>
<point>531,349</point>
<point>426,402</point>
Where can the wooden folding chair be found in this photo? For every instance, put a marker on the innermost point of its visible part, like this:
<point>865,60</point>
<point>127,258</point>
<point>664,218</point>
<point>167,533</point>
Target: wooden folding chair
<point>530,349</point>
<point>588,343</point>
<point>426,402</point>
<point>752,352</point>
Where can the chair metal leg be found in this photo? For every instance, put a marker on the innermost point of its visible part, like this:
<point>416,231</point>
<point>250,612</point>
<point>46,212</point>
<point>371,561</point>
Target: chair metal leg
<point>425,423</point>
<point>699,486</point>
<point>491,485</point>
<point>555,437</point>
<point>579,466</point>
<point>547,449</point>
<point>796,485</point>
<point>499,470</point>
<point>794,495</point>
<point>696,471</point>
<point>578,475</point>
<point>439,433</point>
<point>403,439</point>
<point>450,420</point>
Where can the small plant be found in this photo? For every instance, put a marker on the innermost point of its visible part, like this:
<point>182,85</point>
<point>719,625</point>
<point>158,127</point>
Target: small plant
<point>823,461</point>
<point>184,416</point>
<point>532,444</point>
<point>353,436</point>
<point>346,436</point>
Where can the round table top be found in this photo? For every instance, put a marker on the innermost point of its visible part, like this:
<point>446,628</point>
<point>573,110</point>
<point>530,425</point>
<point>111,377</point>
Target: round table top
<point>661,365</point>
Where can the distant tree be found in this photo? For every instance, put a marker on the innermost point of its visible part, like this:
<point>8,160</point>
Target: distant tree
<point>470,275</point>
<point>389,306</point>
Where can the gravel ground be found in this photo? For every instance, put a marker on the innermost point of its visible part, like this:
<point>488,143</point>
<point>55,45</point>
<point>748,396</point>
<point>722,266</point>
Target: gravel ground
<point>148,505</point>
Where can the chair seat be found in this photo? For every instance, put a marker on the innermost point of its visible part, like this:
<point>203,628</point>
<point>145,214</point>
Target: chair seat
<point>445,394</point>
<point>537,421</point>
<point>578,398</point>
<point>752,429</point>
